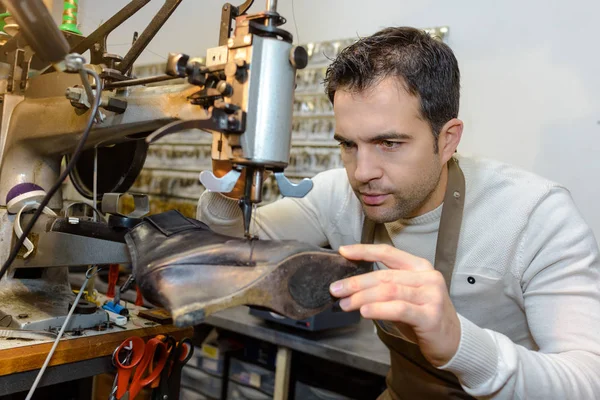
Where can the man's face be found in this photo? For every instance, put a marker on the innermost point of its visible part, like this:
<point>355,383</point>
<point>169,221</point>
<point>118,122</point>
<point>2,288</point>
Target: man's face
<point>388,150</point>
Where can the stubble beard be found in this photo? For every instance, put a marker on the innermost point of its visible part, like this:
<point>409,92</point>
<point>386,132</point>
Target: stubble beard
<point>403,204</point>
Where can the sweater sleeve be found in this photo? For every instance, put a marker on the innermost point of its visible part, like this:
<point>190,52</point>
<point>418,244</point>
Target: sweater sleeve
<point>305,219</point>
<point>560,278</point>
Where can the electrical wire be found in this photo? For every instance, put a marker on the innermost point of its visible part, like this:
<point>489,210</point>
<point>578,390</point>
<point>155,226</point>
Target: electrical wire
<point>88,275</point>
<point>295,23</point>
<point>100,215</point>
<point>66,172</point>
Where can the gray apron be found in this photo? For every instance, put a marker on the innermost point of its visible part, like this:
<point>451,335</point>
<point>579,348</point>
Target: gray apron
<point>411,376</point>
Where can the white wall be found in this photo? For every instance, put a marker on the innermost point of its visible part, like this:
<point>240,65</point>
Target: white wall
<point>530,87</point>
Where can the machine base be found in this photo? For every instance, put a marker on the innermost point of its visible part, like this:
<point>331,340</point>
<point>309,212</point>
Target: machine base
<point>42,304</point>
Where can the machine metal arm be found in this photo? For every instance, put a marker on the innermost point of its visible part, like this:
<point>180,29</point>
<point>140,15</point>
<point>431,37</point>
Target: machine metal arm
<point>100,35</point>
<point>151,30</point>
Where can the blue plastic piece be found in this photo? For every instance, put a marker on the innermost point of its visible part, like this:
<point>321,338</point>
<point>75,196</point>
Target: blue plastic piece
<point>116,308</point>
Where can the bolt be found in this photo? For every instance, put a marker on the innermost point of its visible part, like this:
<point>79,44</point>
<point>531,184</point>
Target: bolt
<point>73,94</point>
<point>248,39</point>
<point>456,195</point>
<point>230,42</point>
<point>165,397</point>
<point>23,316</point>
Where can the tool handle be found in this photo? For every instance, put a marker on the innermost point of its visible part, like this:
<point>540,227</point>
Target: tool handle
<point>39,29</point>
<point>153,346</point>
<point>113,277</point>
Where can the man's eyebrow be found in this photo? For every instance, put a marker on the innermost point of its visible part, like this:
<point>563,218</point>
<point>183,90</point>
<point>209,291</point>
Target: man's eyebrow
<point>379,137</point>
<point>390,136</point>
<point>339,138</point>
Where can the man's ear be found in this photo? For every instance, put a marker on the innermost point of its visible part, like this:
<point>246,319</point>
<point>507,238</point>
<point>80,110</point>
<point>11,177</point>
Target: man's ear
<point>449,138</point>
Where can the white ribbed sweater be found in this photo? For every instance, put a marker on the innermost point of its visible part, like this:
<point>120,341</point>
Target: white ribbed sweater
<point>530,322</point>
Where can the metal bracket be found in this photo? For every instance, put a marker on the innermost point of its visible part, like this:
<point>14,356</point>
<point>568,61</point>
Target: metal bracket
<point>289,189</point>
<point>224,184</point>
<point>19,59</point>
<point>218,120</point>
<point>112,204</point>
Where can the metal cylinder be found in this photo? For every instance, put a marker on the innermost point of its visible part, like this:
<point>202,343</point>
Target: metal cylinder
<point>257,185</point>
<point>272,5</point>
<point>268,102</point>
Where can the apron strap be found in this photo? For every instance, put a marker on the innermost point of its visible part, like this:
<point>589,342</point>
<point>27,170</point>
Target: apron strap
<point>450,222</point>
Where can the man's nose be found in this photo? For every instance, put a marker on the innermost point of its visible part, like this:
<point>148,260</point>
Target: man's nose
<point>368,167</point>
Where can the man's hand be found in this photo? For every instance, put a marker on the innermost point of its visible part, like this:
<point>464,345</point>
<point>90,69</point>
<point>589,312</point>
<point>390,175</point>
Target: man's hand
<point>410,293</point>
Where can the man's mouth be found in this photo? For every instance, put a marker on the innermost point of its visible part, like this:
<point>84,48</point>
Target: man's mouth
<point>373,199</point>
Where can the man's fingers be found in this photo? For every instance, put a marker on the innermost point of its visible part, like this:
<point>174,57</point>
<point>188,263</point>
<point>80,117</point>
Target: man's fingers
<point>382,293</point>
<point>349,286</point>
<point>390,256</point>
<point>397,311</point>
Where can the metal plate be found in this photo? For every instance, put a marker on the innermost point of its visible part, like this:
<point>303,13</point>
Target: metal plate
<point>118,167</point>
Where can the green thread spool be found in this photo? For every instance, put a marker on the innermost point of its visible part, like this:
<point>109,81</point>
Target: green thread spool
<point>2,21</point>
<point>69,17</point>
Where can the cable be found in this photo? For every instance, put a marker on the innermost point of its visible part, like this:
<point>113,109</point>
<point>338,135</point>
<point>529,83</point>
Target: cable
<point>66,172</point>
<point>295,23</point>
<point>102,216</point>
<point>60,333</point>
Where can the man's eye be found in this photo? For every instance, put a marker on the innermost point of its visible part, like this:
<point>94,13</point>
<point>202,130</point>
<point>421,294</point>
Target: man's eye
<point>388,144</point>
<point>346,145</point>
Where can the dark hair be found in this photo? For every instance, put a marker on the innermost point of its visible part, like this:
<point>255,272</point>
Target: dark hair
<point>425,65</point>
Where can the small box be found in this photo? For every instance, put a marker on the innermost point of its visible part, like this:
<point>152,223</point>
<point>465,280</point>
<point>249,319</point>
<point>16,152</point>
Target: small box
<point>307,392</point>
<point>252,375</point>
<point>239,392</point>
<point>188,394</point>
<point>201,382</point>
<point>210,357</point>
<point>328,319</point>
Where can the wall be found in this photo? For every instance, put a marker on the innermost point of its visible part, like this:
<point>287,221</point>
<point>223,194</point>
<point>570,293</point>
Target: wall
<point>530,88</point>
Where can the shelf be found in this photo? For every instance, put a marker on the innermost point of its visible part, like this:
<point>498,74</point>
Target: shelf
<point>172,196</point>
<point>314,143</point>
<point>195,170</point>
<point>190,143</point>
<point>307,93</point>
<point>313,115</point>
<point>319,65</point>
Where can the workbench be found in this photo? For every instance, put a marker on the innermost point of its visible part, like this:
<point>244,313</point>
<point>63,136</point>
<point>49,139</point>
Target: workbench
<point>75,358</point>
<point>356,346</point>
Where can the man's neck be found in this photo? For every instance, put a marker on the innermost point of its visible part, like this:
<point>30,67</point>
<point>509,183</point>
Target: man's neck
<point>436,197</point>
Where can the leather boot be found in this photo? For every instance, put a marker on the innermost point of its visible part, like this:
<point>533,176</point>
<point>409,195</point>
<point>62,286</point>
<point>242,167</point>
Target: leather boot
<point>180,264</point>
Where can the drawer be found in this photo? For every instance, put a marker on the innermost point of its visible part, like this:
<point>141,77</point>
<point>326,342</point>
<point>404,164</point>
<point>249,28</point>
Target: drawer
<point>239,392</point>
<point>202,382</point>
<point>252,375</point>
<point>188,394</point>
<point>209,358</point>
<point>306,392</point>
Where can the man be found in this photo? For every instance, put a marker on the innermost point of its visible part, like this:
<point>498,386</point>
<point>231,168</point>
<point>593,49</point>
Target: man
<point>512,308</point>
